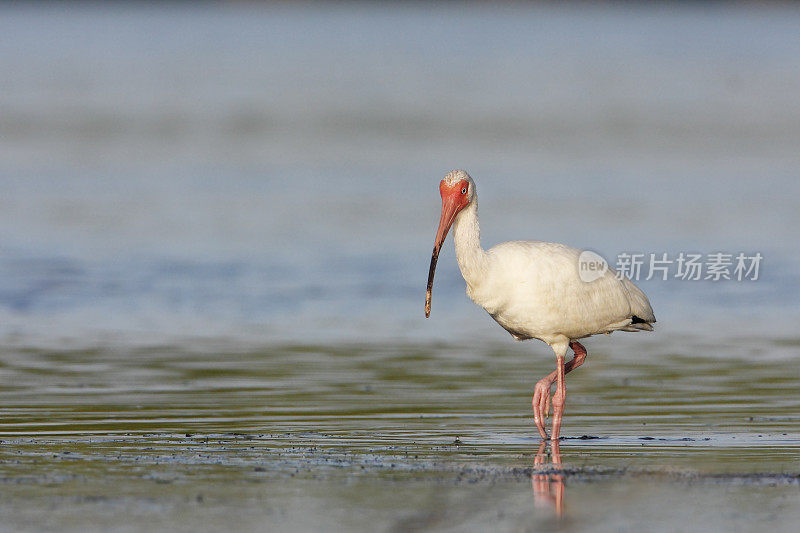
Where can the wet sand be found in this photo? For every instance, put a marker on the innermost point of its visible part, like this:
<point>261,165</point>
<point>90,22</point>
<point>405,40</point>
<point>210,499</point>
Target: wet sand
<point>250,482</point>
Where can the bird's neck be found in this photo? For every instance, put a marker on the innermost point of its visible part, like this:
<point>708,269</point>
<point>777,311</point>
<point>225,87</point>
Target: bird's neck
<point>467,236</point>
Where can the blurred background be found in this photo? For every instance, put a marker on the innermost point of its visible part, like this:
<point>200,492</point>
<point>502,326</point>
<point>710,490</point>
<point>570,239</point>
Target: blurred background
<point>267,172</point>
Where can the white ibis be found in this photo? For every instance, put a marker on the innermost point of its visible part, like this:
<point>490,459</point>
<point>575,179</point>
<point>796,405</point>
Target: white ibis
<point>534,290</point>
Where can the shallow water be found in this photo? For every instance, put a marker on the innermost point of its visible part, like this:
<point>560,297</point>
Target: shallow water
<point>215,228</point>
<point>411,435</point>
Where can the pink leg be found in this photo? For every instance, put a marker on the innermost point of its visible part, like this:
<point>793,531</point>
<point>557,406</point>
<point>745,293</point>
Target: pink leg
<point>541,393</point>
<point>559,398</point>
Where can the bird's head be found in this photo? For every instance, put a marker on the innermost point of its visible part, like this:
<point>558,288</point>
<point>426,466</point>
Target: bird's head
<point>457,183</point>
<point>457,190</point>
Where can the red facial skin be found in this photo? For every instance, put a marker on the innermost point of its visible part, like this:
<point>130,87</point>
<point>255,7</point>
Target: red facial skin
<point>454,199</point>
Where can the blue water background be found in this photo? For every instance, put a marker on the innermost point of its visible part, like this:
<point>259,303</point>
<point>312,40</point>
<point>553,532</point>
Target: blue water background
<point>268,173</point>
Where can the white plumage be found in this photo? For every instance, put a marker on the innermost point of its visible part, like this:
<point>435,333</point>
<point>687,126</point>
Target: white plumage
<point>531,288</point>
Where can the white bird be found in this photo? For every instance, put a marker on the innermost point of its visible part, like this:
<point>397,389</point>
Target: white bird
<point>534,290</point>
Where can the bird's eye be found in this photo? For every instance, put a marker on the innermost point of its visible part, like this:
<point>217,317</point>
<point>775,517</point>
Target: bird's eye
<point>464,190</point>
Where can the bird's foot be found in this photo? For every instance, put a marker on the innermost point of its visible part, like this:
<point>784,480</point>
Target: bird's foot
<point>541,404</point>
<point>558,412</point>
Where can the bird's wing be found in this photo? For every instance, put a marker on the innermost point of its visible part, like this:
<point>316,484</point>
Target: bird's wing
<point>534,289</point>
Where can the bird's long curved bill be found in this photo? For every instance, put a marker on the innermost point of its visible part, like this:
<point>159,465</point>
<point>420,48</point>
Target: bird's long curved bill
<point>449,210</point>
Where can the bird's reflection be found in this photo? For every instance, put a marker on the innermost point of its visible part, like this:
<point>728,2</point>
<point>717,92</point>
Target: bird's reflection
<point>547,480</point>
